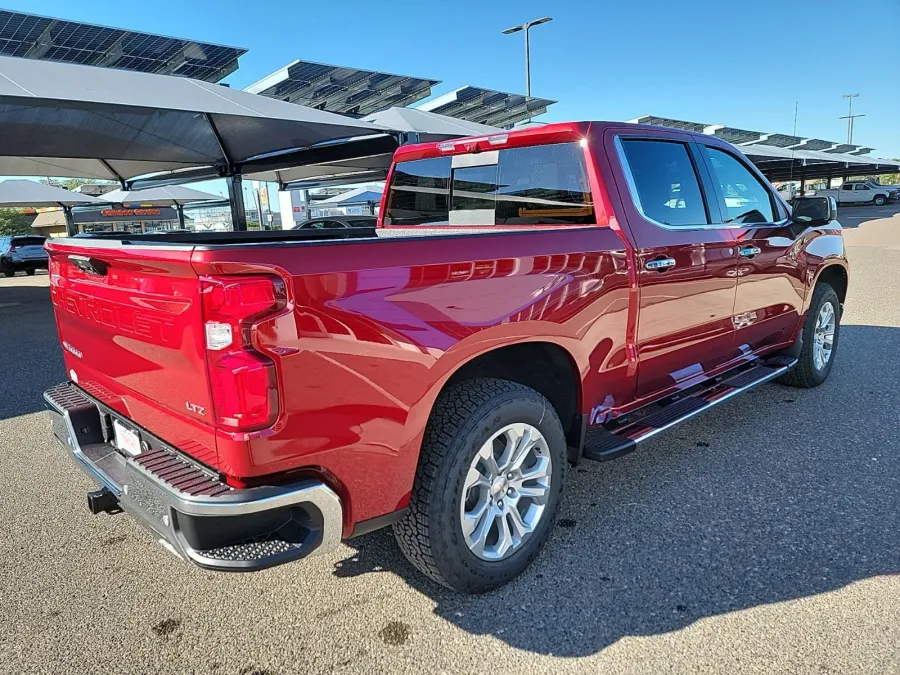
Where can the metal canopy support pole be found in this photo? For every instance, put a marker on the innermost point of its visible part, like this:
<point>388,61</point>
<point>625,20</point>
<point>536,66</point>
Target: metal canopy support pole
<point>180,209</point>
<point>71,229</point>
<point>234,180</point>
<point>803,184</point>
<point>236,199</point>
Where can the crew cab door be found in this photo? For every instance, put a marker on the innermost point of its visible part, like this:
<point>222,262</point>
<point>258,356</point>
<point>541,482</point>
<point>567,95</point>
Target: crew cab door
<point>770,284</point>
<point>862,193</point>
<point>685,262</point>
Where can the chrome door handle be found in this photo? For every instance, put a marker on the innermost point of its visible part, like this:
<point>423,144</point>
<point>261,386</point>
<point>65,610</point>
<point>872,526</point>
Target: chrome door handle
<point>750,251</point>
<point>660,264</point>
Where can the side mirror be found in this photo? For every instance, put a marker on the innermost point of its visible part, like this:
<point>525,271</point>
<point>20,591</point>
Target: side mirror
<point>813,210</point>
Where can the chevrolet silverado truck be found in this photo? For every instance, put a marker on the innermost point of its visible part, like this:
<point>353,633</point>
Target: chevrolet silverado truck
<point>528,300</point>
<point>860,192</point>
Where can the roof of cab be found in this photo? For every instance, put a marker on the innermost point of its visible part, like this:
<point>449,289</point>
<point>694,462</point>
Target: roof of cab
<point>557,132</point>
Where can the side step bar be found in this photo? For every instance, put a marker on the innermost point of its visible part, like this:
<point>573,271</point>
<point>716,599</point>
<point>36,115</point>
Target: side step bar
<point>604,443</point>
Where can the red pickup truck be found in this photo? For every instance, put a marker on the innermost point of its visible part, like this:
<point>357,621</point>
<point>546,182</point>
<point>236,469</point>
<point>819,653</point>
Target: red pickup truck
<point>528,300</point>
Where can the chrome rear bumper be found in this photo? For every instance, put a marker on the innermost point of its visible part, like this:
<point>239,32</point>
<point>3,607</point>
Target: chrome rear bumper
<point>193,513</point>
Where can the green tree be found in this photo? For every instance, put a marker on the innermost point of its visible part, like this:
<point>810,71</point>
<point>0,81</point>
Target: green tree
<point>13,221</point>
<point>72,183</point>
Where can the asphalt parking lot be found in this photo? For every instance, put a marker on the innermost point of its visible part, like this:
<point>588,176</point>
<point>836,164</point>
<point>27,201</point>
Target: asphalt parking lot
<point>762,537</point>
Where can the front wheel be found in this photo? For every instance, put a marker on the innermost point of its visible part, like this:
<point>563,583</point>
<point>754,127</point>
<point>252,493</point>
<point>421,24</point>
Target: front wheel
<point>30,271</point>
<point>488,485</point>
<point>820,340</point>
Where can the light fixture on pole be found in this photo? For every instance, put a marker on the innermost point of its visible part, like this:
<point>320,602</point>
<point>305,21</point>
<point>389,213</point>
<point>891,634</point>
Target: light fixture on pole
<point>526,27</point>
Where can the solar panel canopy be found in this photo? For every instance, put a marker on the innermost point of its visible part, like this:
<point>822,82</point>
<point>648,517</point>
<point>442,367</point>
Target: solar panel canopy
<point>48,39</point>
<point>340,89</point>
<point>487,106</point>
<point>784,156</point>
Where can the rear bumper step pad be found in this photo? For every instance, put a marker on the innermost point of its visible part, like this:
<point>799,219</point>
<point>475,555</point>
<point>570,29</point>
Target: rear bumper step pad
<point>604,443</point>
<point>193,513</point>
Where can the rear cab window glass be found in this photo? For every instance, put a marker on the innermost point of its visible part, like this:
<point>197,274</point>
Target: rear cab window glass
<point>535,185</point>
<point>420,193</point>
<point>664,182</point>
<point>544,184</point>
<point>746,199</point>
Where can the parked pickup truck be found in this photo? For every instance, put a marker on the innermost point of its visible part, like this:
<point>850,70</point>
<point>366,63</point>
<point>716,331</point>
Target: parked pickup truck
<point>527,301</point>
<point>860,192</point>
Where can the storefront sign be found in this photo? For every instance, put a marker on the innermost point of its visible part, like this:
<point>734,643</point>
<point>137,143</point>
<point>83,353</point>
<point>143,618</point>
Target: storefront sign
<point>120,213</point>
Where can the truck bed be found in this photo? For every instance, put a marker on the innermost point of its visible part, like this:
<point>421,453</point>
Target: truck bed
<point>249,237</point>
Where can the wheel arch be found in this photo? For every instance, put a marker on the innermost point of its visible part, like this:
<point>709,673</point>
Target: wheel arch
<point>835,275</point>
<point>545,366</point>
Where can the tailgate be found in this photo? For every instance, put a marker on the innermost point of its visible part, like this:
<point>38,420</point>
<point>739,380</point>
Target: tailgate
<point>130,323</point>
<point>32,252</point>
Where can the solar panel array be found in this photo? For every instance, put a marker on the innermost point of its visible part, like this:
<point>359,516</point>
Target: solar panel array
<point>750,138</point>
<point>45,38</point>
<point>342,90</point>
<point>487,106</point>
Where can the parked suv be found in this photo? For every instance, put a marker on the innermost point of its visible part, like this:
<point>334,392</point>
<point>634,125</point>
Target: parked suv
<point>22,252</point>
<point>529,300</point>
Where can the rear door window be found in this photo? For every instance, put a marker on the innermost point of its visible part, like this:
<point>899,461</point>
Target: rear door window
<point>665,184</point>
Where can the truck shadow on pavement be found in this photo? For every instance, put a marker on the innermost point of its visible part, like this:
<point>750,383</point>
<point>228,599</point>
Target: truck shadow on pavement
<point>29,349</point>
<point>781,494</point>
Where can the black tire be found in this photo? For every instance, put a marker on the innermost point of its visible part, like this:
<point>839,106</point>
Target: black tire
<point>465,416</point>
<point>879,200</point>
<point>805,374</point>
<point>9,272</point>
<point>29,271</point>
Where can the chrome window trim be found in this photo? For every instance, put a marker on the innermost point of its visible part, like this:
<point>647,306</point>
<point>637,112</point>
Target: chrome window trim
<point>636,200</point>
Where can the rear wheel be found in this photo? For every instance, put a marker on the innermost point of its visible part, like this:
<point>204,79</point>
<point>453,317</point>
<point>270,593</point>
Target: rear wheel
<point>879,200</point>
<point>820,340</point>
<point>488,485</point>
<point>30,271</point>
<point>9,272</point>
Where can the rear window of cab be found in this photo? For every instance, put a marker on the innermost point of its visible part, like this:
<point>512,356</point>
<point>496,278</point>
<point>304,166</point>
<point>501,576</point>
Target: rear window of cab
<point>536,185</point>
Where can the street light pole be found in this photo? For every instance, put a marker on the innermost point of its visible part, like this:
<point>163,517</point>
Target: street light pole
<point>526,27</point>
<point>850,117</point>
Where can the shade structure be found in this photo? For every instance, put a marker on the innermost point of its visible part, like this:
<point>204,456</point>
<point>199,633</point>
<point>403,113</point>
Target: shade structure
<point>364,165</point>
<point>428,126</point>
<point>18,193</point>
<point>63,119</point>
<point>172,195</point>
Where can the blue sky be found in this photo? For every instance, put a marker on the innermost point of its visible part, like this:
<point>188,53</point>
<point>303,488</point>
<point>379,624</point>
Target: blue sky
<point>744,64</point>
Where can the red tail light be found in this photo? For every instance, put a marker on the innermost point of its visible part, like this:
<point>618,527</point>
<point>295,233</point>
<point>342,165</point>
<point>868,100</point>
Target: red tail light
<point>12,248</point>
<point>242,380</point>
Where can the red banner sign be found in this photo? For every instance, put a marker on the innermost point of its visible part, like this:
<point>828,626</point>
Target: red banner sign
<point>114,213</point>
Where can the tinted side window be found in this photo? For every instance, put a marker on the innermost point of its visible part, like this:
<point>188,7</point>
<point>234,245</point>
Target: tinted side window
<point>420,192</point>
<point>747,200</point>
<point>668,190</point>
<point>544,184</point>
<point>847,187</point>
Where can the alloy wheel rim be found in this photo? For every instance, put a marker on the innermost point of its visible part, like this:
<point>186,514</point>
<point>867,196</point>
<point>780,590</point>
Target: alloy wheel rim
<point>506,491</point>
<point>823,337</point>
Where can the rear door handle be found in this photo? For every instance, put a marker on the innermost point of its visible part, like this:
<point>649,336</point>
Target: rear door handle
<point>660,264</point>
<point>750,251</point>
